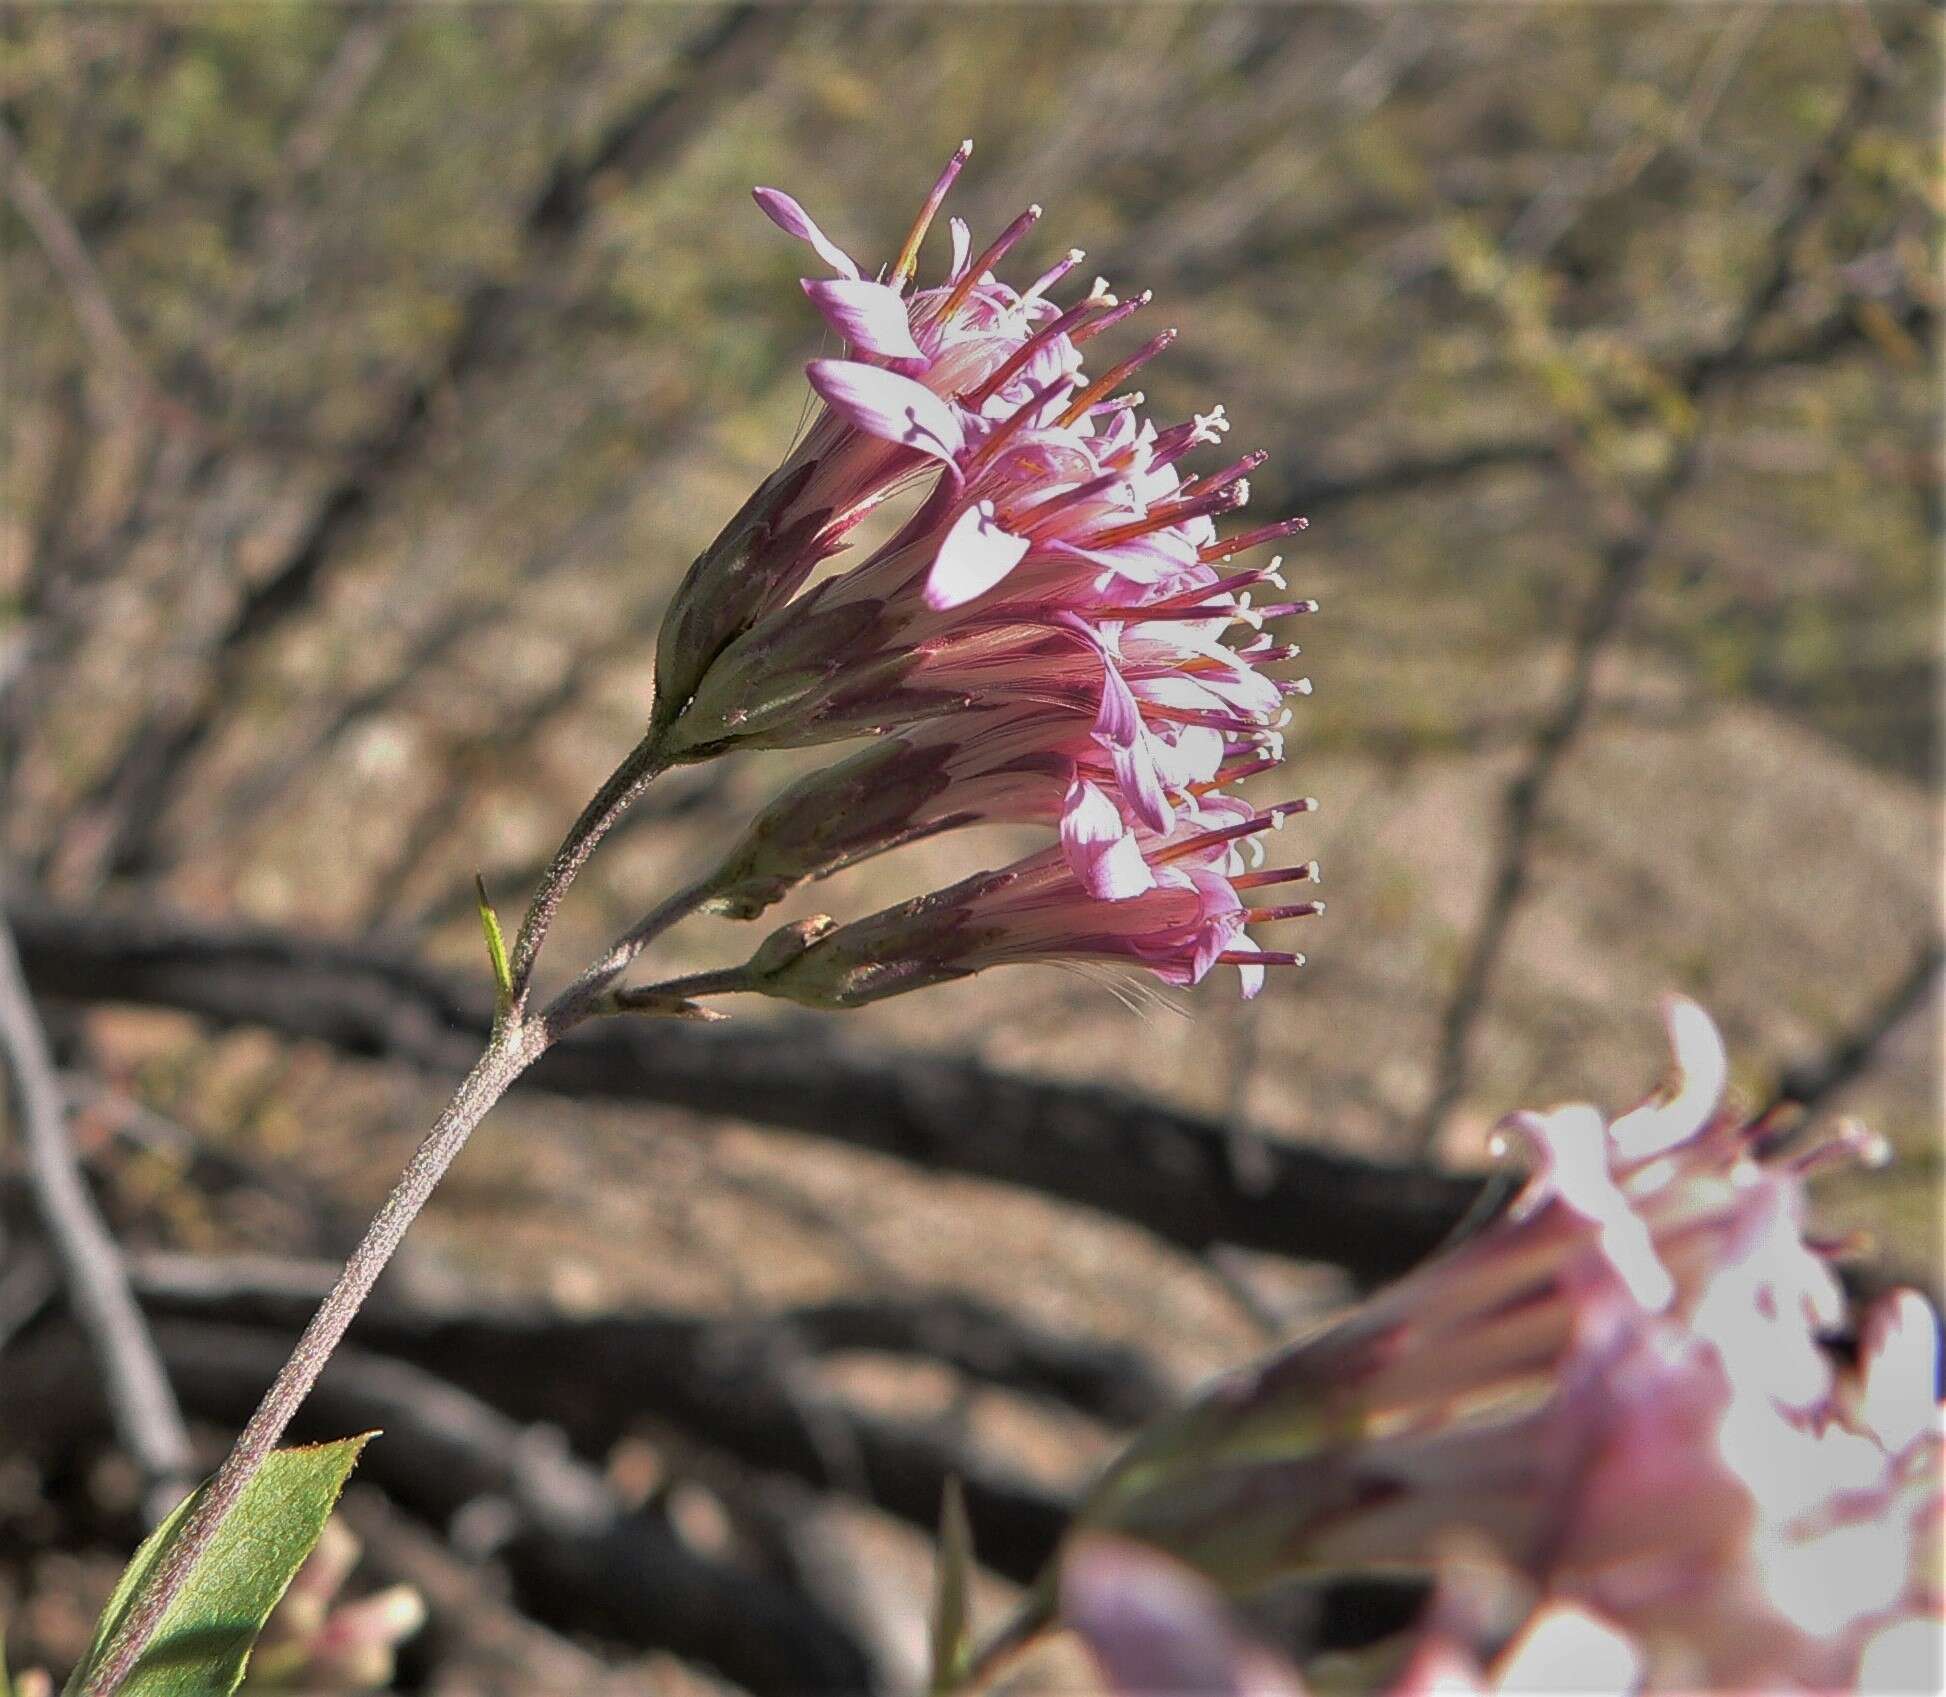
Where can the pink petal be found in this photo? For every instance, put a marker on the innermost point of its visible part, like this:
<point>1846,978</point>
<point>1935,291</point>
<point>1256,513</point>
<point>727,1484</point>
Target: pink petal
<point>1702,1072</point>
<point>791,218</point>
<point>1119,729</point>
<point>962,249</point>
<point>1100,848</point>
<point>884,404</point>
<point>1900,1348</point>
<point>973,556</point>
<point>869,316</point>
<point>1565,1648</point>
<point>1252,976</point>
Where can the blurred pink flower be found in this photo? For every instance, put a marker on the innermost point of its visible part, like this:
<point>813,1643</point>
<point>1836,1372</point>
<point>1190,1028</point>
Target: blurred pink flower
<point>1622,1387</point>
<point>1156,1628</point>
<point>315,1640</point>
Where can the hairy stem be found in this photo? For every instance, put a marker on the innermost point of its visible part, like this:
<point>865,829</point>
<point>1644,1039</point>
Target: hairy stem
<point>643,762</point>
<point>518,1040</point>
<point>585,996</point>
<point>506,1058</point>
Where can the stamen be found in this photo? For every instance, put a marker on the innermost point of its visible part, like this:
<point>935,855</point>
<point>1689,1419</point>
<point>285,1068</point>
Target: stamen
<point>908,261</point>
<point>1016,421</point>
<point>1178,439</point>
<point>1021,519</point>
<point>1223,548</point>
<point>1271,819</point>
<point>1111,380</point>
<point>1291,910</point>
<point>1033,345</point>
<point>1848,1144</point>
<point>1055,272</point>
<point>1264,957</point>
<point>1108,321</point>
<point>1305,874</point>
<point>985,261</point>
<point>1238,469</point>
<point>1203,503</point>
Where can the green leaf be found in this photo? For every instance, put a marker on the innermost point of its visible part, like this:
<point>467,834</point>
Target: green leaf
<point>950,1586</point>
<point>503,978</point>
<point>203,1640</point>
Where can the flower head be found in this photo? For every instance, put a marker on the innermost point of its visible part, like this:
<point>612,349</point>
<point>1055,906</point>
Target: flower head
<point>1156,1627</point>
<point>1621,1387</point>
<point>1057,634</point>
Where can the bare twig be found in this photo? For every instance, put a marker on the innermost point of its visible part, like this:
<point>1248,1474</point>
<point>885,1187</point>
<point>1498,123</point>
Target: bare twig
<point>146,1417</point>
<point>1624,559</point>
<point>68,254</point>
<point>126,803</point>
<point>1811,1081</point>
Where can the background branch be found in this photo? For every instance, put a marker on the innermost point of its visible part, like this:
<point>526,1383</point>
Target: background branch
<point>146,1417</point>
<point>1189,1180</point>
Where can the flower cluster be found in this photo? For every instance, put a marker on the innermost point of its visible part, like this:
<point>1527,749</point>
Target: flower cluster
<point>1623,1390</point>
<point>1056,635</point>
<point>317,1641</point>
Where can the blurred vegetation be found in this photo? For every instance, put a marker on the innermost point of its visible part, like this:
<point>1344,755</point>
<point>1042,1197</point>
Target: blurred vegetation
<point>1597,342</point>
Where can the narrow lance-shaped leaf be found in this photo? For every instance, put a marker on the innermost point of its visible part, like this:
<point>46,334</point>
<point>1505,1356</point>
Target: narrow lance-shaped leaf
<point>204,1638</point>
<point>950,1588</point>
<point>503,979</point>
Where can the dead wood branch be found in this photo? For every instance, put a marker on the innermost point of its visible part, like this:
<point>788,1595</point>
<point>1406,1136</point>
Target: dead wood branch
<point>1108,1382</point>
<point>653,132</point>
<point>1624,560</point>
<point>1813,1080</point>
<point>147,1420</point>
<point>735,1386</point>
<point>1187,1179</point>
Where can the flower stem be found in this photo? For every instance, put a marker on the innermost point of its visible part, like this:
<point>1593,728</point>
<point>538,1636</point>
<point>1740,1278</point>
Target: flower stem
<point>643,762</point>
<point>510,1054</point>
<point>518,1040</point>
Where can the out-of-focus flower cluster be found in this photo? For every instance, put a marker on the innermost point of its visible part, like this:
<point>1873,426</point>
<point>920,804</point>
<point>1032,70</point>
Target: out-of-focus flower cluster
<point>315,1642</point>
<point>1625,1393</point>
<point>1057,635</point>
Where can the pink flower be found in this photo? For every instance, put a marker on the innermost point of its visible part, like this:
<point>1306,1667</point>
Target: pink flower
<point>929,348</point>
<point>1157,1629</point>
<point>1190,917</point>
<point>1145,662</point>
<point>1056,635</point>
<point>1621,1387</point>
